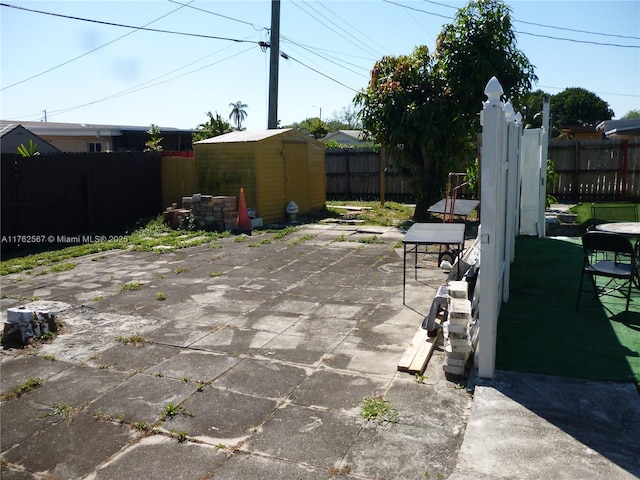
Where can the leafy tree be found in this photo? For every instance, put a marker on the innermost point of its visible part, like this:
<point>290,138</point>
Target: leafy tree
<point>479,44</point>
<point>238,113</point>
<point>29,151</point>
<point>632,114</point>
<point>577,106</point>
<point>311,126</point>
<point>212,128</point>
<point>348,118</point>
<point>530,106</point>
<point>153,145</point>
<point>425,106</point>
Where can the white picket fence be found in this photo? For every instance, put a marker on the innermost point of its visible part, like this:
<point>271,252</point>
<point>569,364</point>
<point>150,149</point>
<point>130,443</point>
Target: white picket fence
<point>512,176</point>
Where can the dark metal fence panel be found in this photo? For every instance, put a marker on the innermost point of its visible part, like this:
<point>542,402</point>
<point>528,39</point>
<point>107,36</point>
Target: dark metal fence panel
<point>78,193</point>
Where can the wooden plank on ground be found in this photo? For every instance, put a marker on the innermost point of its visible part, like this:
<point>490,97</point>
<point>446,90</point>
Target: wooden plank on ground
<point>423,355</point>
<point>347,207</point>
<point>410,353</point>
<point>341,220</point>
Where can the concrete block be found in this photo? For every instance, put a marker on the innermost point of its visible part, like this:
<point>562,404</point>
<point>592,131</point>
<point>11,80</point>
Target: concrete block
<point>29,323</point>
<point>460,330</point>
<point>457,362</point>
<point>453,370</point>
<point>459,289</point>
<point>449,352</point>
<point>459,308</point>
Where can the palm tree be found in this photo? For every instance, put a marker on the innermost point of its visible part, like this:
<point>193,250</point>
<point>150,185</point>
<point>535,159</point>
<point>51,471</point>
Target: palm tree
<point>238,113</point>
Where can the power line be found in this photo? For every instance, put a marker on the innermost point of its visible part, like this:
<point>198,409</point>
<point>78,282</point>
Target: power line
<point>89,52</point>
<point>171,32</point>
<point>550,26</point>
<point>521,32</point>
<point>289,57</point>
<point>219,15</point>
<point>148,84</point>
<point>337,32</point>
<point>351,26</point>
<point>330,60</point>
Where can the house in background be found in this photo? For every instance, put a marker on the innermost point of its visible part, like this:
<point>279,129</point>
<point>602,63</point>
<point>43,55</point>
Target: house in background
<point>345,137</point>
<point>81,137</point>
<point>624,128</point>
<point>13,135</point>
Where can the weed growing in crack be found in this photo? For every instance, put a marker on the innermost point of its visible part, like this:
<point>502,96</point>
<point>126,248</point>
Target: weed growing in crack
<point>61,409</point>
<point>380,409</point>
<point>20,390</point>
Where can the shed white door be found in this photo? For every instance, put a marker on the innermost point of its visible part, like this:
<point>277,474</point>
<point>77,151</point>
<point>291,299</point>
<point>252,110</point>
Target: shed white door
<point>296,174</point>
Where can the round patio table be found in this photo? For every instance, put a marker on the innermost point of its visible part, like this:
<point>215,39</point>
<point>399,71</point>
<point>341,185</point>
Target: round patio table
<point>631,229</point>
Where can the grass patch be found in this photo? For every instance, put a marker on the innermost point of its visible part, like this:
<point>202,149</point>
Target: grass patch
<point>302,239</point>
<point>62,267</point>
<point>152,236</point>
<point>172,409</point>
<point>20,390</point>
<point>62,410</point>
<point>131,286</point>
<point>161,296</point>
<point>135,340</point>
<point>379,409</point>
<point>391,214</point>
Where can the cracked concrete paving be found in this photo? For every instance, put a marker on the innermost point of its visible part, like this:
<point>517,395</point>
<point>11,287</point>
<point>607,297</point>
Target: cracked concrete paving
<point>265,347</point>
<point>256,367</point>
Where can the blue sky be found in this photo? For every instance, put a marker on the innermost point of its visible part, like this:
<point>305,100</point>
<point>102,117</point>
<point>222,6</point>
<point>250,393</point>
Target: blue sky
<point>88,72</point>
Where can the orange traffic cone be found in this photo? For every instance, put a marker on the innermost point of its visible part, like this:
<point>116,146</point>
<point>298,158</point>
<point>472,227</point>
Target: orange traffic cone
<point>244,224</point>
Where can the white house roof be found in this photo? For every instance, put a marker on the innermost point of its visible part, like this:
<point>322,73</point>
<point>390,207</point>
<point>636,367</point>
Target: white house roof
<point>239,136</point>
<point>355,134</point>
<point>625,128</point>
<point>85,129</point>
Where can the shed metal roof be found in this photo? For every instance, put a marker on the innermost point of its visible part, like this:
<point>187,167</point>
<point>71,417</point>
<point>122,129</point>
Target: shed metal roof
<point>241,136</point>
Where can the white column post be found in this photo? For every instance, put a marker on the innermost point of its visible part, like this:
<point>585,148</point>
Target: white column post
<point>492,119</point>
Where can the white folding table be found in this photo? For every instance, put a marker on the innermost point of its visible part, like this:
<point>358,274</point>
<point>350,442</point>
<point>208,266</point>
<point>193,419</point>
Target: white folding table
<point>425,234</point>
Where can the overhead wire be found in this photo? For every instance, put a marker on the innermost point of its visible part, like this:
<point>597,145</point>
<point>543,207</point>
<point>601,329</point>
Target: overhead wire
<point>121,25</point>
<point>337,32</point>
<point>149,84</point>
<point>550,26</point>
<point>588,42</point>
<point>90,51</point>
<point>352,27</point>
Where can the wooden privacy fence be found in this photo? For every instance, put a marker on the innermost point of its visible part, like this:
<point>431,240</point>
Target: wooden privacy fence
<point>590,170</point>
<point>355,174</point>
<point>70,194</point>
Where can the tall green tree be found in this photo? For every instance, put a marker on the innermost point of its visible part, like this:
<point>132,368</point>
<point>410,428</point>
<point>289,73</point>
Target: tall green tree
<point>478,44</point>
<point>425,106</point>
<point>530,106</point>
<point>238,113</point>
<point>632,114</point>
<point>212,128</point>
<point>154,143</point>
<point>578,107</point>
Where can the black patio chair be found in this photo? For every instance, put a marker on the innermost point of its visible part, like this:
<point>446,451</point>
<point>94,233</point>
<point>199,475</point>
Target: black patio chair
<point>612,256</point>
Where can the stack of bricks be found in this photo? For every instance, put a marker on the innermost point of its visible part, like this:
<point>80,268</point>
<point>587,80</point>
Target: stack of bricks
<point>458,345</point>
<point>212,213</point>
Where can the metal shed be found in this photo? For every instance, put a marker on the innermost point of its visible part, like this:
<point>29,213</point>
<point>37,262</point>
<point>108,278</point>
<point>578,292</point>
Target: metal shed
<point>274,167</point>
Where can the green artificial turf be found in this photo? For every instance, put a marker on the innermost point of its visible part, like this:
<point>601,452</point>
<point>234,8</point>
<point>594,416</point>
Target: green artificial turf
<point>540,331</point>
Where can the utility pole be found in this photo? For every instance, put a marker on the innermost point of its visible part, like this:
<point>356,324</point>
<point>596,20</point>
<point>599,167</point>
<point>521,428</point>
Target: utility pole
<point>273,68</point>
